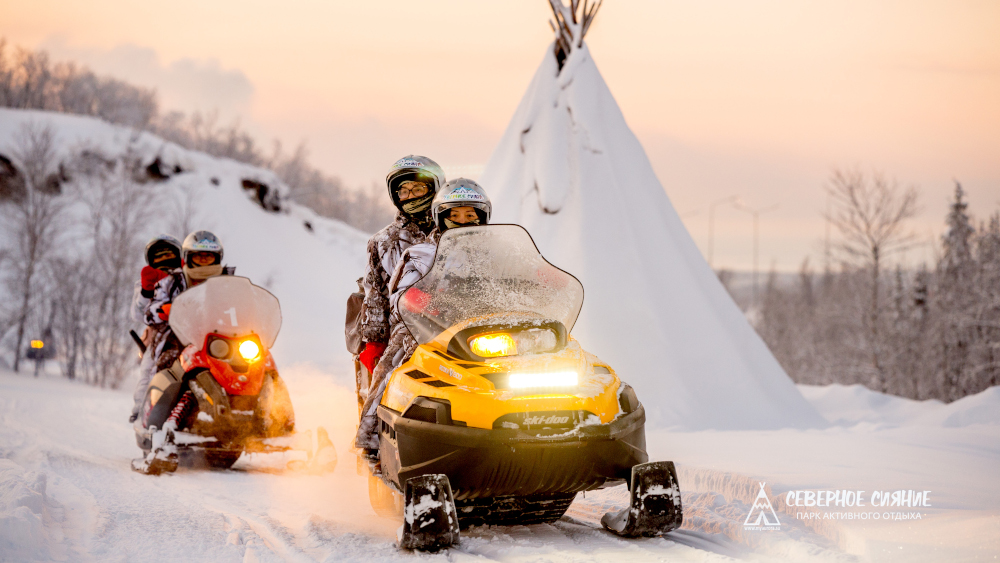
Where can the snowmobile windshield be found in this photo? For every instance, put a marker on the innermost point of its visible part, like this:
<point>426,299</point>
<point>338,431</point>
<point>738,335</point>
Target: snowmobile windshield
<point>489,274</point>
<point>226,305</point>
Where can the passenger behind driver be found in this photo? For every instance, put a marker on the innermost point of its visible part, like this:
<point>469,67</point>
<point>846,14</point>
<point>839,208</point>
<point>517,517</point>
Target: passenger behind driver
<point>460,203</point>
<point>201,258</point>
<point>163,255</point>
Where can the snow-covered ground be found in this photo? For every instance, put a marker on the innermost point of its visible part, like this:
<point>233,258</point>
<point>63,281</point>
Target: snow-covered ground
<point>67,493</point>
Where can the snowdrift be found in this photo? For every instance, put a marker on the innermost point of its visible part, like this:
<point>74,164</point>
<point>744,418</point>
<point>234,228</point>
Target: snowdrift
<point>570,170</point>
<point>310,268</point>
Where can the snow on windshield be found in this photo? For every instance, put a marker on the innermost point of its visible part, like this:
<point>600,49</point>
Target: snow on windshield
<point>491,274</point>
<point>227,305</point>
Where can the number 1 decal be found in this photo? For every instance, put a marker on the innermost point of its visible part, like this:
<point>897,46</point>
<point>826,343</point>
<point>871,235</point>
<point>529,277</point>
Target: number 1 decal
<point>232,315</point>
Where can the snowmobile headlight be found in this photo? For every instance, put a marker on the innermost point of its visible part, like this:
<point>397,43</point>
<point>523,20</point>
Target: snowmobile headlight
<point>493,345</point>
<point>249,349</point>
<point>547,379</point>
<point>219,348</point>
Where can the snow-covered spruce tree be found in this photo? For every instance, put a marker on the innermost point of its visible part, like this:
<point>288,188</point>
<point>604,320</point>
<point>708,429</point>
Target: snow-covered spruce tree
<point>870,212</point>
<point>955,299</point>
<point>985,370</point>
<point>33,222</point>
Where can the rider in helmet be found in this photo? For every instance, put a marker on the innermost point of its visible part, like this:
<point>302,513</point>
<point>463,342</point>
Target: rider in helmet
<point>412,182</point>
<point>460,203</point>
<point>163,255</point>
<point>200,258</point>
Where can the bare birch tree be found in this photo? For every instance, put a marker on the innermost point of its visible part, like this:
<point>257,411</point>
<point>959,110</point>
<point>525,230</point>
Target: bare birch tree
<point>33,221</point>
<point>869,211</point>
<point>119,209</point>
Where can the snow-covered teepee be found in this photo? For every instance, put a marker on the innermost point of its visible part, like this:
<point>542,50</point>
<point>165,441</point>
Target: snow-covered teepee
<point>570,170</point>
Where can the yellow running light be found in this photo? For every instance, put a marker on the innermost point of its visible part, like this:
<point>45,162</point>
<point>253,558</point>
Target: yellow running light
<point>550,379</point>
<point>249,349</point>
<point>37,344</point>
<point>493,345</point>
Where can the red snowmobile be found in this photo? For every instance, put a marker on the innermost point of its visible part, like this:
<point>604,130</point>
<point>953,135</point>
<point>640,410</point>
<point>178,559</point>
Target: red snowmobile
<point>223,396</point>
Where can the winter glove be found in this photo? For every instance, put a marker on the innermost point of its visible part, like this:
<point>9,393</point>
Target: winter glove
<point>164,312</point>
<point>149,277</point>
<point>370,355</point>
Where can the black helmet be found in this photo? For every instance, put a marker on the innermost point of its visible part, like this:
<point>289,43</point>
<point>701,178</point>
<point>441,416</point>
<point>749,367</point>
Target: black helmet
<point>461,192</point>
<point>198,242</point>
<point>157,250</point>
<point>414,168</point>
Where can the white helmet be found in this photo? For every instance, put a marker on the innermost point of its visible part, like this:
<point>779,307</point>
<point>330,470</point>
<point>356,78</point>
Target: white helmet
<point>461,192</point>
<point>414,168</point>
<point>197,242</point>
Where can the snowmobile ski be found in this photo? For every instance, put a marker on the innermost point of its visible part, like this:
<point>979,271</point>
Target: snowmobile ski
<point>430,521</point>
<point>655,503</point>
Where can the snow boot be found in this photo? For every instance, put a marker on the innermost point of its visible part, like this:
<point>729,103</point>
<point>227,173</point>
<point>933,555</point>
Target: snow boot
<point>655,503</point>
<point>430,521</point>
<point>161,459</point>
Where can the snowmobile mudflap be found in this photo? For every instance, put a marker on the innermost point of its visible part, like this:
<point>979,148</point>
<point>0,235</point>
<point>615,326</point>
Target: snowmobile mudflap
<point>654,505</point>
<point>482,463</point>
<point>430,521</point>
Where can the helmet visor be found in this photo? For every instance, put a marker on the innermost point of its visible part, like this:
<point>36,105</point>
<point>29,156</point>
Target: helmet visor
<point>201,258</point>
<point>164,257</point>
<point>464,214</point>
<point>407,181</point>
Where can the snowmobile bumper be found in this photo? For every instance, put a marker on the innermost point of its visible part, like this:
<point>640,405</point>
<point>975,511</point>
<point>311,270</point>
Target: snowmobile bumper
<point>483,463</point>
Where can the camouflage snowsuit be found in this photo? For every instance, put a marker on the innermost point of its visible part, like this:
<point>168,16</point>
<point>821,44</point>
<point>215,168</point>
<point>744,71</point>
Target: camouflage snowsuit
<point>144,310</point>
<point>380,324</point>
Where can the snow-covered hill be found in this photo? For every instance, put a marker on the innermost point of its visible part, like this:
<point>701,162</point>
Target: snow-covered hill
<point>310,269</point>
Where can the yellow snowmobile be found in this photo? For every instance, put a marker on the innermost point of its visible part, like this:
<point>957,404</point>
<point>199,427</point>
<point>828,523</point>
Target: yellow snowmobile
<point>500,417</point>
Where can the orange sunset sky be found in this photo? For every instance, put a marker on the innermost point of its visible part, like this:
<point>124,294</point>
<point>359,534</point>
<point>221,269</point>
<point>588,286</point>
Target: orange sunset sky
<point>760,99</point>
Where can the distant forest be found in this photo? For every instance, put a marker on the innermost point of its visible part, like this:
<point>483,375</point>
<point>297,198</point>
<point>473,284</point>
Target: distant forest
<point>29,80</point>
<point>929,333</point>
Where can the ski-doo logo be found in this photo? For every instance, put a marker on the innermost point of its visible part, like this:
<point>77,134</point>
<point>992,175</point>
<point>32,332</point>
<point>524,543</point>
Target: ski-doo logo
<point>450,372</point>
<point>762,515</point>
<point>551,419</point>
<point>464,193</point>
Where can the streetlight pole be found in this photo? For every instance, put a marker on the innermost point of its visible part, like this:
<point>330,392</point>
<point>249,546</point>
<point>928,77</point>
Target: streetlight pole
<point>711,225</point>
<point>756,239</point>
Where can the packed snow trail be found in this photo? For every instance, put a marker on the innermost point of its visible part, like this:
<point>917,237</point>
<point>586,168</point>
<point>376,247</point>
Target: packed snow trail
<point>68,495</point>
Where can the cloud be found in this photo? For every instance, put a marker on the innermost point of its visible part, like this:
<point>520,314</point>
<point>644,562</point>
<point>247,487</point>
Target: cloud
<point>186,84</point>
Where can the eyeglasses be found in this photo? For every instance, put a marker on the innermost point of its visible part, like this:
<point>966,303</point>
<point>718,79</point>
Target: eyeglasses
<point>412,189</point>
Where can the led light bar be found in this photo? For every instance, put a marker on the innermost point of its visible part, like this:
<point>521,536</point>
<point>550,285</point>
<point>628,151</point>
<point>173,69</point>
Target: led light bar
<point>549,379</point>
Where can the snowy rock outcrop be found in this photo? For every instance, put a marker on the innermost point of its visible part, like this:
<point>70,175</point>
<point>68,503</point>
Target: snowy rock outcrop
<point>570,170</point>
<point>309,262</point>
